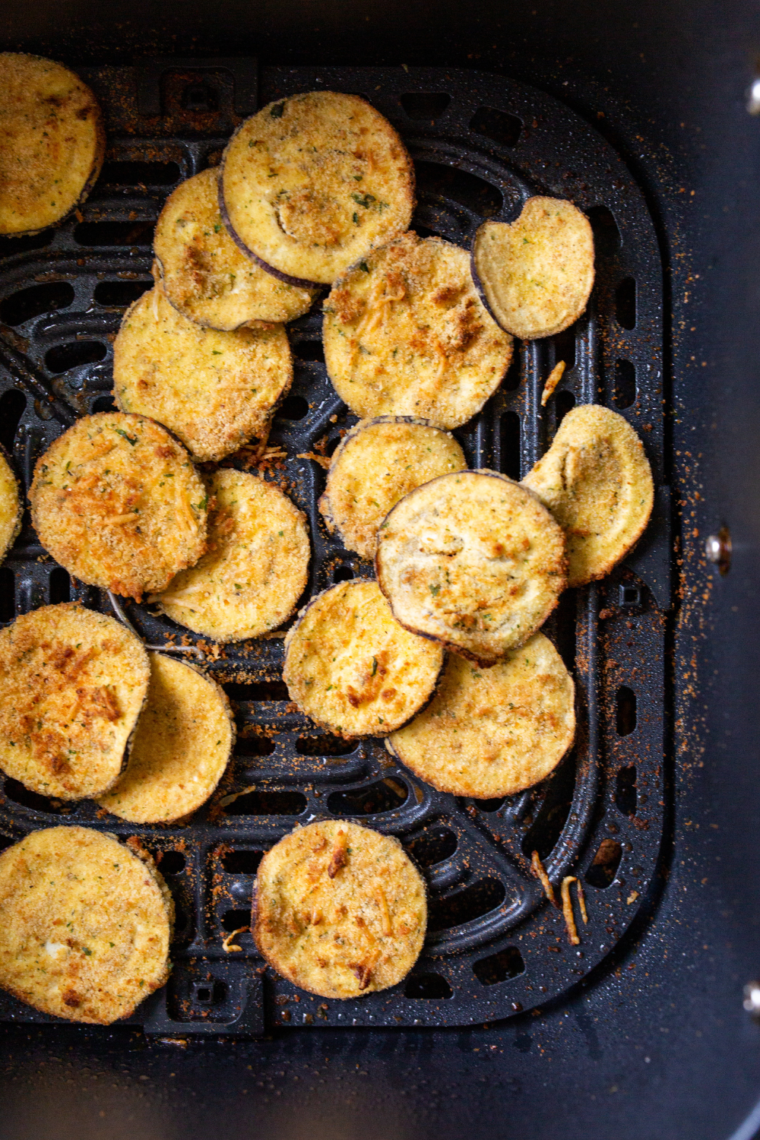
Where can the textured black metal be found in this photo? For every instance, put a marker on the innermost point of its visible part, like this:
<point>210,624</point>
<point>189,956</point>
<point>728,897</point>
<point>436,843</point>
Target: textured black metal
<point>495,946</point>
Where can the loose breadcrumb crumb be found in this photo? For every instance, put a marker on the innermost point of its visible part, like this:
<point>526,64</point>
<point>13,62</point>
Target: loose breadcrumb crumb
<point>552,380</point>
<point>540,872</point>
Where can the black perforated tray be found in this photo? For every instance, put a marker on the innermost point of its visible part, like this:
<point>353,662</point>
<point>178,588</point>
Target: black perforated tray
<point>480,145</point>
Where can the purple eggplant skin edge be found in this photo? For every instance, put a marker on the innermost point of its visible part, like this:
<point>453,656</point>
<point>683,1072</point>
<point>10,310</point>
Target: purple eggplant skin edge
<point>297,282</point>
<point>478,283</point>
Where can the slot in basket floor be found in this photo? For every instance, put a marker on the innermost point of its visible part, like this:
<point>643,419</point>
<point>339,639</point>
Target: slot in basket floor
<point>495,947</point>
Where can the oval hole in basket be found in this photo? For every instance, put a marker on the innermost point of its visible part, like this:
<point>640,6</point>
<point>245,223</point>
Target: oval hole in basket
<point>552,816</point>
<point>7,594</point>
<point>384,795</point>
<point>241,862</point>
<point>474,193</point>
<point>293,408</point>
<point>75,353</point>
<point>430,986</point>
<point>432,846</point>
<point>35,301</point>
<point>12,407</point>
<point>601,873</point>
<point>115,233</point>
<point>234,919</point>
<point>119,294</point>
<point>606,233</point>
<point>309,350</point>
<point>171,862</point>
<point>21,795</point>
<point>625,711</point>
<point>257,691</point>
<point>499,126</point>
<point>508,963</point>
<point>59,587</point>
<point>426,105</point>
<point>264,802</point>
<point>325,746</point>
<point>625,790</point>
<point>132,173</point>
<point>254,744</point>
<point>473,902</point>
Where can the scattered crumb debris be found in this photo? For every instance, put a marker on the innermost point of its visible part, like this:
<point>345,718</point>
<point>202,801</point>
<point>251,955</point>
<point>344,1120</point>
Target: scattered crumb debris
<point>632,898</point>
<point>567,910</point>
<point>552,380</point>
<point>540,873</point>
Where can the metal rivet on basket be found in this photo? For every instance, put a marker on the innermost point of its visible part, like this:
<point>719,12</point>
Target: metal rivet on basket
<point>718,550</point>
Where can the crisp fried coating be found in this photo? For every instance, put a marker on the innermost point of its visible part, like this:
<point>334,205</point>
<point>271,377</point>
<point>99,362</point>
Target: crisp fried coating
<point>206,275</point>
<point>256,568</point>
<point>352,668</point>
<point>52,142</point>
<point>84,925</point>
<point>340,910</point>
<point>311,183</point>
<point>181,747</point>
<point>72,684</point>
<point>596,480</point>
<point>405,333</point>
<point>473,560</point>
<point>536,274</point>
<point>377,463</point>
<point>117,501</point>
<point>214,390</point>
<point>492,732</point>
<point>11,509</point>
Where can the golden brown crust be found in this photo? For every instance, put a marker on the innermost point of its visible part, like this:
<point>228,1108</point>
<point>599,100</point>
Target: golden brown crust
<point>204,273</point>
<point>52,142</point>
<point>84,925</point>
<point>256,568</point>
<point>352,668</point>
<point>471,560</point>
<point>377,463</point>
<point>313,182</point>
<point>181,746</point>
<point>72,684</point>
<point>214,390</point>
<point>340,909</point>
<point>536,274</point>
<point>493,732</point>
<point>117,501</point>
<point>11,507</point>
<point>405,333</point>
<point>596,480</point>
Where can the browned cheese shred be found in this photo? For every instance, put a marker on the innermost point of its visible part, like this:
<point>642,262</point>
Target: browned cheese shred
<point>567,910</point>
<point>540,872</point>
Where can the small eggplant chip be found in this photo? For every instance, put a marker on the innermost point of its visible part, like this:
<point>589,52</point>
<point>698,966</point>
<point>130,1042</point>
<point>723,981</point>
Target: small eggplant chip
<point>72,684</point>
<point>341,910</point>
<point>206,275</point>
<point>493,732</point>
<point>536,274</point>
<point>214,390</point>
<point>352,668</point>
<point>377,463</point>
<point>118,503</point>
<point>473,560</point>
<point>85,925</point>
<point>52,142</point>
<point>596,480</point>
<point>181,747</point>
<point>405,333</point>
<point>311,183</point>
<point>11,507</point>
<point>256,567</point>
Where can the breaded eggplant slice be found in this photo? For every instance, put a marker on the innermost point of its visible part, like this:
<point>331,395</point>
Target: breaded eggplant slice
<point>117,501</point>
<point>493,732</point>
<point>340,909</point>
<point>85,925</point>
<point>256,568</point>
<point>596,480</point>
<point>72,684</point>
<point>181,748</point>
<point>214,390</point>
<point>472,560</point>
<point>405,333</point>
<point>311,183</point>
<point>352,668</point>
<point>379,462</point>
<point>205,274</point>
<point>536,274</point>
<point>11,506</point>
<point>52,142</point>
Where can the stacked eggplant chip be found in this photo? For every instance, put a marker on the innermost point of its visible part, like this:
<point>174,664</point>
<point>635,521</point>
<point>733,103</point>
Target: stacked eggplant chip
<point>441,655</point>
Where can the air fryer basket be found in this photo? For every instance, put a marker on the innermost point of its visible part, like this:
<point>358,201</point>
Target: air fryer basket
<point>503,1028</point>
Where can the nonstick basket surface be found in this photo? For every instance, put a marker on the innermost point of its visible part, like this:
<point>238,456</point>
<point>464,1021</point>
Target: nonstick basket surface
<point>495,947</point>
